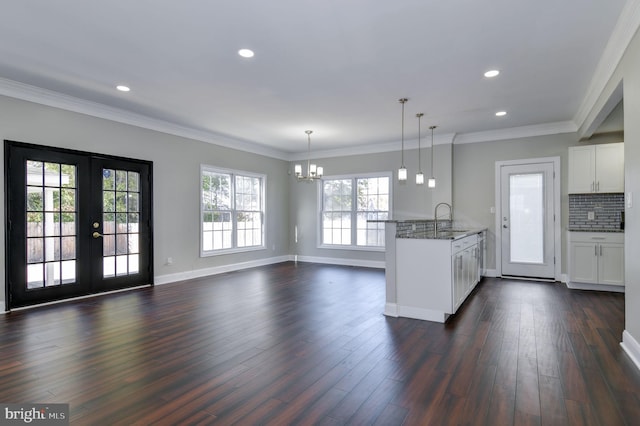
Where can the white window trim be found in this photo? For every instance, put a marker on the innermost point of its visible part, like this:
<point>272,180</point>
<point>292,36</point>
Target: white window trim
<point>354,246</point>
<point>234,249</point>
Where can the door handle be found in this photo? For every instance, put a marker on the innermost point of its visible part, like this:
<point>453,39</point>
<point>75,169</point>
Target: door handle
<point>96,234</point>
<point>505,226</point>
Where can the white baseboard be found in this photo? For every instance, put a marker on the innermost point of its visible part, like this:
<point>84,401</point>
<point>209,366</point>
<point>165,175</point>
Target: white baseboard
<point>345,262</point>
<point>631,347</point>
<point>596,287</point>
<point>422,314</point>
<point>491,273</point>
<point>205,272</point>
<point>391,310</point>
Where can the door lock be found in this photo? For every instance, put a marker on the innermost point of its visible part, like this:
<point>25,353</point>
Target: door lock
<point>96,225</point>
<point>97,234</point>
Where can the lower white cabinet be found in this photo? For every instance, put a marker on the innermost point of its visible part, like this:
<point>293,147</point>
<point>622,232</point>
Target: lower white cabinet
<point>434,277</point>
<point>596,258</point>
<point>465,261</point>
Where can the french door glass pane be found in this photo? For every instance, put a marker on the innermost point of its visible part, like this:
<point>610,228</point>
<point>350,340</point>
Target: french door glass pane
<point>51,213</point>
<point>526,210</point>
<point>120,222</point>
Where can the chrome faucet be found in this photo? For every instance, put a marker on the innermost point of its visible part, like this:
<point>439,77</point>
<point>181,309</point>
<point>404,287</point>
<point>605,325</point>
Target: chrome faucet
<point>435,217</point>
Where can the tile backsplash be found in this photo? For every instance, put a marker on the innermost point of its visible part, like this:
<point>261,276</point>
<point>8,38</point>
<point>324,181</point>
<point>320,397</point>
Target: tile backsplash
<point>408,228</point>
<point>606,209</point>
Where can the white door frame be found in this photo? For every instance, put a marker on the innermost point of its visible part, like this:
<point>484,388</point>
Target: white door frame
<point>557,224</point>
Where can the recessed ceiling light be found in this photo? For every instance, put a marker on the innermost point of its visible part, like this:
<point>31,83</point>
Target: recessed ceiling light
<point>246,53</point>
<point>491,73</point>
<point>501,113</point>
<point>123,88</point>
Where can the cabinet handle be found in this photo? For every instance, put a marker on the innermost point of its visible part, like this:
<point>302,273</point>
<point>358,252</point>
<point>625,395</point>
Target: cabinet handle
<point>598,186</point>
<point>601,250</point>
<point>593,187</point>
<point>595,249</point>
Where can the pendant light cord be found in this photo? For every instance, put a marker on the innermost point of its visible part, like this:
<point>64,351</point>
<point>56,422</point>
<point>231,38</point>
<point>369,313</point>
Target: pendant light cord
<point>432,148</point>
<point>402,101</point>
<point>308,132</point>
<point>419,115</point>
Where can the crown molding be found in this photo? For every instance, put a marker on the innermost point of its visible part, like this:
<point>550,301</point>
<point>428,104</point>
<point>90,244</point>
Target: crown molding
<point>517,132</point>
<point>50,98</point>
<point>556,128</point>
<point>25,92</point>
<point>624,31</point>
<point>375,148</point>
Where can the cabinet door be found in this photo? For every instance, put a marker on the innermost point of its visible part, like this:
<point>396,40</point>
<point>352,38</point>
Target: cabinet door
<point>582,169</point>
<point>458,280</point>
<point>610,167</point>
<point>470,255</point>
<point>476,265</point>
<point>611,264</point>
<point>584,262</point>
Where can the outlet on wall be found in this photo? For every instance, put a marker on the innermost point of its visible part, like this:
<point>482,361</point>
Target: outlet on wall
<point>591,215</point>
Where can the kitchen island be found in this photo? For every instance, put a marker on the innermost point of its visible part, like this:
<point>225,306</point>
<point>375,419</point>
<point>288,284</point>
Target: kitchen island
<point>429,274</point>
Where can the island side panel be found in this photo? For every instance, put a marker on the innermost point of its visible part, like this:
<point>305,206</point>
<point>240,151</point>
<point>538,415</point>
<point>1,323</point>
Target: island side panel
<point>391,306</point>
<point>423,278</point>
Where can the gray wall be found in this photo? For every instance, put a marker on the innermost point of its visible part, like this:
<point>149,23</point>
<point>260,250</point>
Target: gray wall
<point>474,179</point>
<point>627,73</point>
<point>176,166</point>
<point>409,200</point>
<point>630,70</point>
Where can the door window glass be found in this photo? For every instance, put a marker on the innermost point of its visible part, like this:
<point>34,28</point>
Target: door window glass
<point>51,212</point>
<point>526,204</point>
<point>120,222</point>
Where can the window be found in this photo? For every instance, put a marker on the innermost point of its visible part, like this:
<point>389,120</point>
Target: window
<point>232,211</point>
<point>347,204</point>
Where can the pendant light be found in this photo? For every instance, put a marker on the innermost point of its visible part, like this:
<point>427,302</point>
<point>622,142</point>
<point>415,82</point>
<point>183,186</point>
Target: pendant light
<point>419,175</point>
<point>431,183</point>
<point>313,172</point>
<point>402,171</point>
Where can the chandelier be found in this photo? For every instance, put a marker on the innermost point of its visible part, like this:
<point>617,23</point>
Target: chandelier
<point>313,172</point>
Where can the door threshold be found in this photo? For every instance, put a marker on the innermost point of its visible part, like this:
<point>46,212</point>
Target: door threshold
<point>516,277</point>
<point>71,299</point>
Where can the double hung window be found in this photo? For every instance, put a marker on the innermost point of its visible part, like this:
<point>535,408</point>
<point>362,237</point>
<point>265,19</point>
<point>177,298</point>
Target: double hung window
<point>232,211</point>
<point>348,204</point>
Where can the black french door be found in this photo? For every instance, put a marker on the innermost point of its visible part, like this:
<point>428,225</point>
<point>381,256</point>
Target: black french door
<point>77,223</point>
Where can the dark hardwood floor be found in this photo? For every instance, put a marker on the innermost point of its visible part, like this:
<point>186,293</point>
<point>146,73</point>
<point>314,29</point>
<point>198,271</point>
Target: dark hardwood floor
<point>308,344</point>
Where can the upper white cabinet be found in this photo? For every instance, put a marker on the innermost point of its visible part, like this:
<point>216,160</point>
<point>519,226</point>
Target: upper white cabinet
<point>596,168</point>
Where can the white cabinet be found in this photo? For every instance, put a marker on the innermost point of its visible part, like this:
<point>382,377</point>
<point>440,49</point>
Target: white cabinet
<point>596,168</point>
<point>596,258</point>
<point>465,259</point>
<point>434,277</point>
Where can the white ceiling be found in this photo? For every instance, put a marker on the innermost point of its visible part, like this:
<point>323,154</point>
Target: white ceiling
<point>337,67</point>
